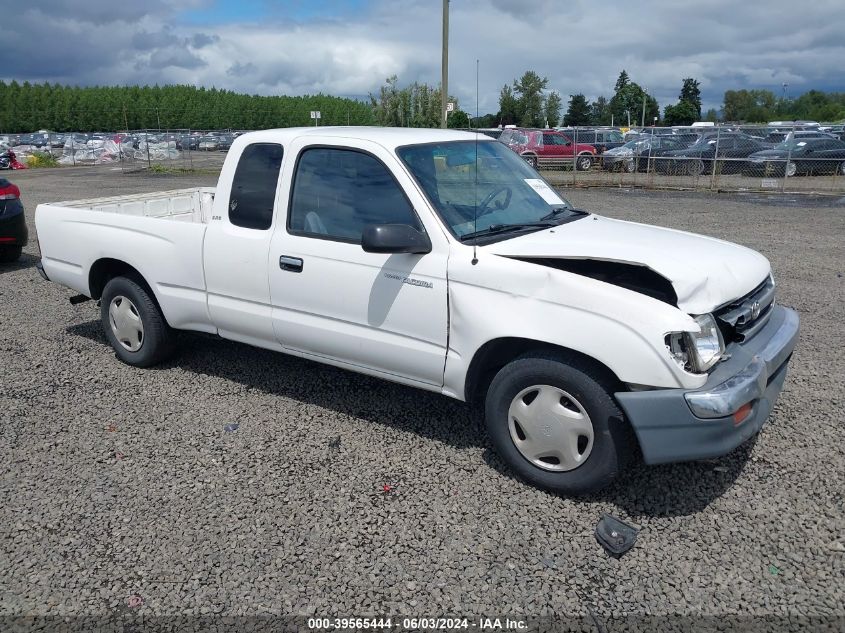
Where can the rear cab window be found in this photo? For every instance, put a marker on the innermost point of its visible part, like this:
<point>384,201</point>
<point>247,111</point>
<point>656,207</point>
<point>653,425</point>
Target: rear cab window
<point>253,194</point>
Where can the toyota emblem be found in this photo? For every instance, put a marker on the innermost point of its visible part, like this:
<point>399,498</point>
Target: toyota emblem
<point>755,310</point>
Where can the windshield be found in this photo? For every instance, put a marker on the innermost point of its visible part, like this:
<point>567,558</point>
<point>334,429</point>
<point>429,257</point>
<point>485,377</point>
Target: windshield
<point>505,192</point>
<point>790,144</point>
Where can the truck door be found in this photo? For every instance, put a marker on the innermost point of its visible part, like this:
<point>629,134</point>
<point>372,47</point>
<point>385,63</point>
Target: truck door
<point>384,313</point>
<point>237,243</point>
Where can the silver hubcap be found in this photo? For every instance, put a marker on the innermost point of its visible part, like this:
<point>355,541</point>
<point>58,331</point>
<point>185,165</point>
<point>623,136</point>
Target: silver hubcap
<point>126,324</point>
<point>585,164</point>
<point>790,169</point>
<point>550,428</point>
<point>842,168</point>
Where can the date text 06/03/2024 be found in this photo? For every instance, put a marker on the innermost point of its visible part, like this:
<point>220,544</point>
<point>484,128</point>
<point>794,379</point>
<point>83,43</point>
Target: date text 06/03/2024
<point>418,623</point>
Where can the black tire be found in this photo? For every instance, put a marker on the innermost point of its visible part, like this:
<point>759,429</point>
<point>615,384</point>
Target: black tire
<point>531,160</point>
<point>9,254</point>
<point>613,439</point>
<point>583,162</point>
<point>158,339</point>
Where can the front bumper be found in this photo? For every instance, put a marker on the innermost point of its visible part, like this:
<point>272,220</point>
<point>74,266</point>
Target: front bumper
<point>674,425</point>
<point>13,231</point>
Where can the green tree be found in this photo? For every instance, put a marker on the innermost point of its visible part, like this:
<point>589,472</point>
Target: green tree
<point>458,119</point>
<point>622,81</point>
<point>711,115</point>
<point>683,113</point>
<point>578,112</point>
<point>691,93</point>
<point>508,106</point>
<point>629,101</point>
<point>552,108</point>
<point>600,112</point>
<point>751,106</point>
<point>529,91</point>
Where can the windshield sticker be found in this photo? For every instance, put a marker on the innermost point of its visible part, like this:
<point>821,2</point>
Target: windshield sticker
<point>544,191</point>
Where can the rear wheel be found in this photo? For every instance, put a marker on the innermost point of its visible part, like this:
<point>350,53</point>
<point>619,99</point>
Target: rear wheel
<point>630,165</point>
<point>791,169</point>
<point>9,254</point>
<point>553,420</point>
<point>842,168</point>
<point>134,324</point>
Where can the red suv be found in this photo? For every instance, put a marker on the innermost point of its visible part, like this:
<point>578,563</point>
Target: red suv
<point>548,146</point>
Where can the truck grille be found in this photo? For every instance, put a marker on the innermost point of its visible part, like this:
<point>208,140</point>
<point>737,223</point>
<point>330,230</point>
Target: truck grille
<point>743,318</point>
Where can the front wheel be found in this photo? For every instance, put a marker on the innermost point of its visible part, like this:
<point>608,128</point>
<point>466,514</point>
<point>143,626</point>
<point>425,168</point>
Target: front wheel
<point>791,169</point>
<point>553,420</point>
<point>134,324</point>
<point>531,159</point>
<point>842,168</point>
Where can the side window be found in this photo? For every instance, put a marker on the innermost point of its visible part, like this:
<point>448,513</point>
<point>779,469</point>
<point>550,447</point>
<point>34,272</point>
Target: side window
<point>254,186</point>
<point>337,192</point>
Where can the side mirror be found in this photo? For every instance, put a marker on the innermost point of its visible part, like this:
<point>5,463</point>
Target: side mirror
<point>394,238</point>
<point>568,143</point>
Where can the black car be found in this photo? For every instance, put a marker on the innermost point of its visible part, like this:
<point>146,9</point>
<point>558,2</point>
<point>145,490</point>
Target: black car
<point>187,142</point>
<point>13,231</point>
<point>728,149</point>
<point>642,154</point>
<point>224,141</point>
<point>796,157</point>
<point>772,139</point>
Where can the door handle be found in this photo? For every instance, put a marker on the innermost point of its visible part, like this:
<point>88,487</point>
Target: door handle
<point>291,264</point>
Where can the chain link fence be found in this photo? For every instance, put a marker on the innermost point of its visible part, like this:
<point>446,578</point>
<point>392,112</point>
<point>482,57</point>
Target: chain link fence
<point>776,157</point>
<point>786,158</point>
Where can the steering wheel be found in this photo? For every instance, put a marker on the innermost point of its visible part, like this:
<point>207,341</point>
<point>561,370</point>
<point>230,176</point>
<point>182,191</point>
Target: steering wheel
<point>482,208</point>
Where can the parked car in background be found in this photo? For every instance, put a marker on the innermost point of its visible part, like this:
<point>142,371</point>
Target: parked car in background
<point>208,143</point>
<point>13,232</point>
<point>642,154</point>
<point>799,157</point>
<point>729,150</point>
<point>548,146</point>
<point>774,138</point>
<point>601,138</point>
<point>188,142</point>
<point>224,141</point>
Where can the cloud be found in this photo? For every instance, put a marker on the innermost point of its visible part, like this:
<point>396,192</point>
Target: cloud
<point>580,47</point>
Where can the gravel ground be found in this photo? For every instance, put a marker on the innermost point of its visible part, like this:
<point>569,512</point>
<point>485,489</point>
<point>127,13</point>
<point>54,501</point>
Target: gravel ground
<point>342,495</point>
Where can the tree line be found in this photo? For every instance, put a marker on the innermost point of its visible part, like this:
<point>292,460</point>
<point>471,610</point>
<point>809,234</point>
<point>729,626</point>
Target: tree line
<point>25,107</point>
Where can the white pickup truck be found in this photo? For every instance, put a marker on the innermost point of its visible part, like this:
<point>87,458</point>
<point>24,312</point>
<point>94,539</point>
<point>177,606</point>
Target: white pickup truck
<point>441,260</point>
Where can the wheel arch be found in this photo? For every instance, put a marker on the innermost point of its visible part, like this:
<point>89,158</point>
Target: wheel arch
<point>496,353</point>
<point>107,268</point>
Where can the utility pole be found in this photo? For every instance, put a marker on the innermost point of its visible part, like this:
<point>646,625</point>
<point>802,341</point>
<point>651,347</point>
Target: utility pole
<point>444,79</point>
<point>642,123</point>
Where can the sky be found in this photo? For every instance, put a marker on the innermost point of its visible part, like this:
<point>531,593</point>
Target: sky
<point>349,47</point>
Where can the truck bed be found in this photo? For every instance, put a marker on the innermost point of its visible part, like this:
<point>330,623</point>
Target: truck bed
<point>159,234</point>
<point>182,205</point>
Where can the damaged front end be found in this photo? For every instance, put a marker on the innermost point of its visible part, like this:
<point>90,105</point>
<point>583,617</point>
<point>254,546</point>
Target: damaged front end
<point>634,277</point>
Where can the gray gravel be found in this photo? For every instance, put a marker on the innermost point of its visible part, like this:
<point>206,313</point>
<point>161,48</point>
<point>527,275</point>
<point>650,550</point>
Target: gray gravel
<point>117,482</point>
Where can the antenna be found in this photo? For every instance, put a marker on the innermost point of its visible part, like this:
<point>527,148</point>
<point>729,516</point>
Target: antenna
<point>475,195</point>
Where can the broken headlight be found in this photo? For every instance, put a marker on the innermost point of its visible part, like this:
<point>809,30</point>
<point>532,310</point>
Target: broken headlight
<point>697,352</point>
